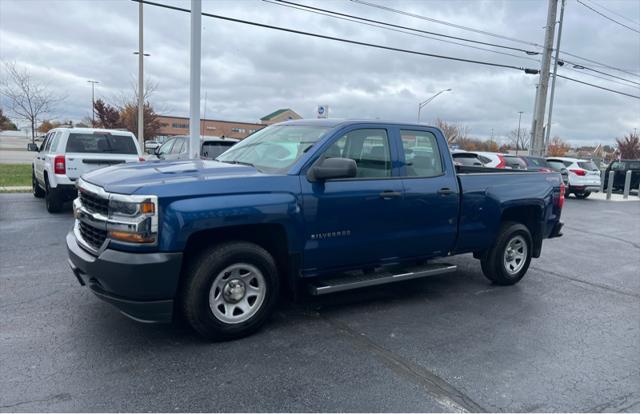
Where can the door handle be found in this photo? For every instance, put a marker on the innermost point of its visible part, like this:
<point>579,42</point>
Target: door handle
<point>388,195</point>
<point>445,191</point>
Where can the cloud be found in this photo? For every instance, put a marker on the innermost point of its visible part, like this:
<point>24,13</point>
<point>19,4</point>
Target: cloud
<point>248,72</point>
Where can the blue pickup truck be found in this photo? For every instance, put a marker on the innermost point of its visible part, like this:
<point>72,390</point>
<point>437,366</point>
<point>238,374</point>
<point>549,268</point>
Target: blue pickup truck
<point>310,205</point>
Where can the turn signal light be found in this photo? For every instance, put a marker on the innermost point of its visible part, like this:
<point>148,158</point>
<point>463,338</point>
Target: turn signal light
<point>59,165</point>
<point>147,207</point>
<point>131,237</point>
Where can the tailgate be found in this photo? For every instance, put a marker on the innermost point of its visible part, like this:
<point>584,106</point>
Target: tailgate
<point>81,163</point>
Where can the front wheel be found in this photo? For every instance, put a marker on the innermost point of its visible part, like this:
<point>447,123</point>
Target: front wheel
<point>229,290</point>
<point>509,258</point>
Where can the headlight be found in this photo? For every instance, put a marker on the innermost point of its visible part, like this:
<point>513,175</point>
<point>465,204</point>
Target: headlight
<point>118,207</point>
<point>133,219</point>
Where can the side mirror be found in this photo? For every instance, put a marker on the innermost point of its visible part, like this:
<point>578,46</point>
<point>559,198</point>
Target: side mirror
<point>332,168</point>
<point>32,147</point>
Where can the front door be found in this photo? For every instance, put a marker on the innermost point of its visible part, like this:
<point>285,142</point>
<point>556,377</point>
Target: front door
<point>354,221</point>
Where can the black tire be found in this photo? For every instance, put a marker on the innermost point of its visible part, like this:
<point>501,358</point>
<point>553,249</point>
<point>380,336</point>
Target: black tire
<point>198,279</point>
<point>584,195</point>
<point>38,192</point>
<point>52,198</point>
<point>493,261</point>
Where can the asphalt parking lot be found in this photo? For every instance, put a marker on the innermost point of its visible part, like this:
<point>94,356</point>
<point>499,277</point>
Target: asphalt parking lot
<point>567,338</point>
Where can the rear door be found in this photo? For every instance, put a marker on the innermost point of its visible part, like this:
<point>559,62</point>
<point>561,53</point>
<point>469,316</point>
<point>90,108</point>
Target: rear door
<point>431,197</point>
<point>93,150</point>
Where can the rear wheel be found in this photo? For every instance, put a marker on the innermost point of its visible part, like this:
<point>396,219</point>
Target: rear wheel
<point>584,195</point>
<point>38,192</point>
<point>52,198</point>
<point>229,290</point>
<point>509,258</point>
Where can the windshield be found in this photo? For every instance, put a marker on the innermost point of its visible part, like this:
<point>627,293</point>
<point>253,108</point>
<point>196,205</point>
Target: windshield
<point>101,143</point>
<point>275,148</point>
<point>536,162</point>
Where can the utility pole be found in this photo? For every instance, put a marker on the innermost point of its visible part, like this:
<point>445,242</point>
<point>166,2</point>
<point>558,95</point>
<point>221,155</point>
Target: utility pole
<point>553,82</point>
<point>140,78</point>
<point>518,137</point>
<point>93,102</point>
<point>194,82</point>
<point>541,96</point>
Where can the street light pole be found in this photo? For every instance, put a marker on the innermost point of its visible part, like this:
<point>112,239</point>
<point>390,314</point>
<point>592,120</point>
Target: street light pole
<point>140,77</point>
<point>518,138</point>
<point>424,103</point>
<point>93,102</point>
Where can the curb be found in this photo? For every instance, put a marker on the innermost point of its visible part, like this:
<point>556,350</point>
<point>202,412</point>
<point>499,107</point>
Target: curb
<point>16,189</point>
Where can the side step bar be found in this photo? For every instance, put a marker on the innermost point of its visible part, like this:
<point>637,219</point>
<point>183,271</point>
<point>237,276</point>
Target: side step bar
<point>355,280</point>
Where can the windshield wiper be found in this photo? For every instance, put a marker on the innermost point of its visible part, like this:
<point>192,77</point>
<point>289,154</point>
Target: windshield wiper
<point>238,162</point>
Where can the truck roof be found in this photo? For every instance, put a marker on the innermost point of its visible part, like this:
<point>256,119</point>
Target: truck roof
<point>334,122</point>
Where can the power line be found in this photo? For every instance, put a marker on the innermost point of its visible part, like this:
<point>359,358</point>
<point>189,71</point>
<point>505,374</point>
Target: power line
<point>347,17</point>
<point>512,39</point>
<point>607,17</point>
<point>597,86</point>
<point>343,40</point>
<point>617,14</point>
<point>598,71</point>
<point>376,23</point>
<point>402,12</point>
<point>599,77</point>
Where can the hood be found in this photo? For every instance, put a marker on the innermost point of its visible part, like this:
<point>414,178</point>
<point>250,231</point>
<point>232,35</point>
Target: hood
<point>131,177</point>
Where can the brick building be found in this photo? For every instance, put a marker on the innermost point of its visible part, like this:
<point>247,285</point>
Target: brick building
<point>177,125</point>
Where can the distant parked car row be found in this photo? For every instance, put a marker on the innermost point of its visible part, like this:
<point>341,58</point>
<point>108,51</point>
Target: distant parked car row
<point>66,153</point>
<point>582,177</point>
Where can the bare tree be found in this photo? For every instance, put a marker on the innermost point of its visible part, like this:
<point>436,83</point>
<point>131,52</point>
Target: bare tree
<point>519,141</point>
<point>27,98</point>
<point>453,132</point>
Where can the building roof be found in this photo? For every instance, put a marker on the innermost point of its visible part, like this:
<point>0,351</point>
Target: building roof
<point>274,114</point>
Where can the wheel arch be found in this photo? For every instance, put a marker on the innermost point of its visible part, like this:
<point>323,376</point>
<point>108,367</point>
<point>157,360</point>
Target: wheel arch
<point>531,217</point>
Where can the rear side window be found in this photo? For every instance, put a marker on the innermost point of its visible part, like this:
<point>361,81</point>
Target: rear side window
<point>179,146</point>
<point>633,165</point>
<point>101,143</point>
<point>421,153</point>
<point>587,165</point>
<point>468,159</point>
<point>211,150</point>
<point>54,142</point>
<point>556,165</point>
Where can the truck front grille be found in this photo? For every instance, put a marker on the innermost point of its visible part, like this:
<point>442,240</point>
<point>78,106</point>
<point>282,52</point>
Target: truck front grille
<point>93,236</point>
<point>94,203</point>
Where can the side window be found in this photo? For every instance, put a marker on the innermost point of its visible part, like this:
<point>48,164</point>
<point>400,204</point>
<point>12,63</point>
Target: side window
<point>178,146</point>
<point>369,148</point>
<point>421,154</point>
<point>47,142</point>
<point>44,143</point>
<point>54,142</point>
<point>166,147</point>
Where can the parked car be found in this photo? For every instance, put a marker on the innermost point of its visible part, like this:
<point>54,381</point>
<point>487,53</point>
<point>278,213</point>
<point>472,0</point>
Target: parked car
<point>558,166</point>
<point>151,145</point>
<point>514,162</point>
<point>177,148</point>
<point>620,169</point>
<point>467,158</point>
<point>67,153</point>
<point>492,159</point>
<point>584,176</point>
<point>324,205</point>
<point>214,146</point>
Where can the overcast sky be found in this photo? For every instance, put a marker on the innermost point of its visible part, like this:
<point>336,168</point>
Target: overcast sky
<point>248,72</point>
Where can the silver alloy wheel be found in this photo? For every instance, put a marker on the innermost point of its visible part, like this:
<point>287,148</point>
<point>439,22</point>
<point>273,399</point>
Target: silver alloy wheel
<point>515,255</point>
<point>237,293</point>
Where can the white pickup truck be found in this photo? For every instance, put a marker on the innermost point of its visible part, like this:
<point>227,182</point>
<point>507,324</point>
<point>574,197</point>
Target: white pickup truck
<point>67,153</point>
